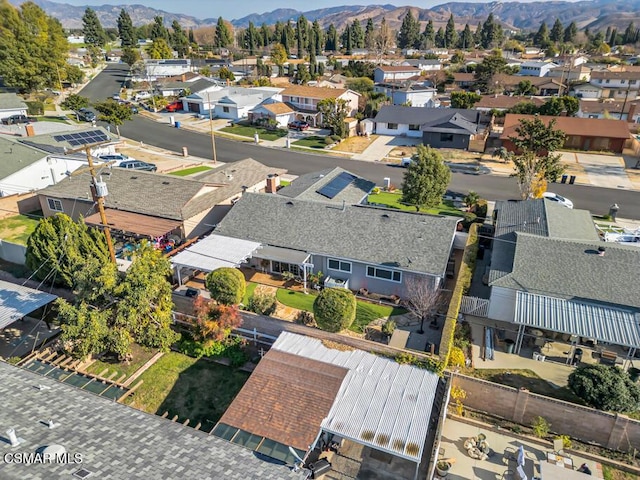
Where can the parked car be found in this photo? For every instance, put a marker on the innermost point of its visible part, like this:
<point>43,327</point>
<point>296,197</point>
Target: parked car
<point>86,115</point>
<point>298,125</point>
<point>406,161</point>
<point>116,157</point>
<point>17,119</point>
<point>554,197</point>
<point>133,108</point>
<point>174,107</point>
<point>142,96</point>
<point>137,165</point>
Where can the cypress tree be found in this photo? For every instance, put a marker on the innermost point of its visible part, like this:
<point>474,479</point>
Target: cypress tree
<point>92,29</point>
<point>126,32</point>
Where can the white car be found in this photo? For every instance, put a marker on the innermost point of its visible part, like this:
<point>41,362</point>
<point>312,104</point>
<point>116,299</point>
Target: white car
<point>406,161</point>
<point>142,96</point>
<point>554,197</point>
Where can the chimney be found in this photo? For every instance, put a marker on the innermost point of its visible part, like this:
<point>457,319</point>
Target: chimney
<point>632,111</point>
<point>29,129</point>
<point>273,182</point>
<point>183,77</point>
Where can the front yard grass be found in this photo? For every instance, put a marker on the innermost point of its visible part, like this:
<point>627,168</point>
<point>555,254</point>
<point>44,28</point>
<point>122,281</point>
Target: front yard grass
<point>365,312</point>
<point>312,141</point>
<point>190,171</point>
<point>248,293</point>
<point>140,357</point>
<point>17,228</point>
<point>355,144</point>
<point>198,390</point>
<point>393,200</point>
<point>245,130</point>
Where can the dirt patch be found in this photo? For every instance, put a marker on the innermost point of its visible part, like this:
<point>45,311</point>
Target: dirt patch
<point>355,144</point>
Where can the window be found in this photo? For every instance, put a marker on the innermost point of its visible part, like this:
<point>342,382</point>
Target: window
<point>55,205</point>
<point>607,81</point>
<point>414,127</point>
<point>339,265</point>
<point>599,80</point>
<point>392,126</point>
<point>225,109</point>
<point>384,274</point>
<point>632,82</point>
<point>446,137</point>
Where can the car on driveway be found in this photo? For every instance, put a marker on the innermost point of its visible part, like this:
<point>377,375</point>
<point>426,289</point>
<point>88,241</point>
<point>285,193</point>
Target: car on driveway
<point>554,197</point>
<point>174,107</point>
<point>142,96</point>
<point>137,165</point>
<point>298,125</point>
<point>86,115</point>
<point>17,119</point>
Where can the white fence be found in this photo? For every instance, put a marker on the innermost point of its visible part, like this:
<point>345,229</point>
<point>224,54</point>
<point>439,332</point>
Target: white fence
<point>475,306</point>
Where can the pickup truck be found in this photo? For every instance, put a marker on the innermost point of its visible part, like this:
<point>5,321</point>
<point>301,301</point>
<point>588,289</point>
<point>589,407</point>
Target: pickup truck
<point>17,119</point>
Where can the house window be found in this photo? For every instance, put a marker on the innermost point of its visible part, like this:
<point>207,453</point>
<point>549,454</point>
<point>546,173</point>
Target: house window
<point>599,80</point>
<point>339,265</point>
<point>414,127</point>
<point>446,137</point>
<point>384,274</point>
<point>55,205</point>
<point>632,82</point>
<point>392,126</point>
<point>607,81</point>
<point>225,109</point>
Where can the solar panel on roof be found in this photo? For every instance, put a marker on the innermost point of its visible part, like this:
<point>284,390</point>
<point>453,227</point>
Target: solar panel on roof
<point>82,138</point>
<point>335,186</point>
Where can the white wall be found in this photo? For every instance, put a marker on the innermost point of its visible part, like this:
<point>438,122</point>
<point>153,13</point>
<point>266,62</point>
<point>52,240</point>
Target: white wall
<point>39,175</point>
<point>403,129</point>
<point>420,99</point>
<point>4,113</point>
<point>502,304</point>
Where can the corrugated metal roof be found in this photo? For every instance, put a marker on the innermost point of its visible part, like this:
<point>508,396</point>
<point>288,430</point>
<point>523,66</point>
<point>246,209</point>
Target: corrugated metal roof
<point>380,404</point>
<point>606,324</point>
<point>16,301</point>
<point>215,251</point>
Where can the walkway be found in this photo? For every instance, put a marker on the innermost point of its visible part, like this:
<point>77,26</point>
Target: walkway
<point>601,170</point>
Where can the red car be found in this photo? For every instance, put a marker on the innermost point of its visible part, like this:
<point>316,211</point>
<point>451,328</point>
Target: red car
<point>298,125</point>
<point>174,107</point>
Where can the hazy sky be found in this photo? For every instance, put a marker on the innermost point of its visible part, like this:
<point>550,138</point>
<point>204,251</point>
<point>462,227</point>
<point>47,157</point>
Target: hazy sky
<point>232,9</point>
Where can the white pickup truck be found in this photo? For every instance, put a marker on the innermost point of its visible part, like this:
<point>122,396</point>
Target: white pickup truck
<point>406,161</point>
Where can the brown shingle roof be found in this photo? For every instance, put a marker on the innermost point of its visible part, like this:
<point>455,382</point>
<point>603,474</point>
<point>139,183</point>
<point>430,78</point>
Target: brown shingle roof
<point>506,101</point>
<point>278,108</point>
<point>587,106</point>
<point>313,92</point>
<point>286,398</point>
<point>463,77</point>
<point>583,127</point>
<point>608,75</point>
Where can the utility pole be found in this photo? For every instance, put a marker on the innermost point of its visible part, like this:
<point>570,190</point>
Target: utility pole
<point>213,138</point>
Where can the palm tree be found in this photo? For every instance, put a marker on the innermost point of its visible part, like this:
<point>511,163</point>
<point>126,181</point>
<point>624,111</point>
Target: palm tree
<point>472,199</point>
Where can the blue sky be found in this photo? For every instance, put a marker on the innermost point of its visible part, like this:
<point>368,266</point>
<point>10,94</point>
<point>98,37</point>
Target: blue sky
<point>239,8</point>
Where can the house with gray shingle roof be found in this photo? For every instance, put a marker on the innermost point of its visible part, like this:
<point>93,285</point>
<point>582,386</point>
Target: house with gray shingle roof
<point>306,187</point>
<point>355,246</point>
<point>11,104</point>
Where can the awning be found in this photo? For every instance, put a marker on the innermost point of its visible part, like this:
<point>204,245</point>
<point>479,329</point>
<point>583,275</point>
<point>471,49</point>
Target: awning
<point>278,254</point>
<point>17,301</point>
<point>135,223</point>
<point>215,251</point>
<point>605,324</point>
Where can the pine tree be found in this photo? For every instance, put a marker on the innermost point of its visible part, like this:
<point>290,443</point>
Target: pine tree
<point>607,33</point>
<point>409,35</point>
<point>126,31</point>
<point>477,36</point>
<point>223,35</point>
<point>92,29</point>
<point>570,33</point>
<point>347,40</point>
<point>450,34</point>
<point>557,31</point>
<point>192,37</point>
<point>541,38</point>
<point>357,34</point>
<point>630,34</point>
<point>466,38</point>
<point>491,34</point>
<point>251,39</point>
<point>265,35</point>
<point>331,42</point>
<point>158,30</point>
<point>440,38</point>
<point>179,40</point>
<point>301,35</point>
<point>369,34</point>
<point>613,38</point>
<point>429,35</point>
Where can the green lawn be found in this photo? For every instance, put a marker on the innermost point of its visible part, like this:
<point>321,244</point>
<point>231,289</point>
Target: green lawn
<point>249,130</point>
<point>313,141</point>
<point>392,200</point>
<point>53,119</point>
<point>284,183</point>
<point>251,286</point>
<point>17,229</point>
<point>140,357</point>
<point>365,312</point>
<point>199,390</point>
<point>190,171</point>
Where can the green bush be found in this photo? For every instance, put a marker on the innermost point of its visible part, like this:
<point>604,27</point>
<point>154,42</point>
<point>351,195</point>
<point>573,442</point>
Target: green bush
<point>328,140</point>
<point>226,285</point>
<point>334,309</point>
<point>456,357</point>
<point>388,327</point>
<point>540,427</point>
<point>232,348</point>
<point>35,107</point>
<point>481,209</point>
<point>336,138</point>
<point>306,318</point>
<point>263,303</point>
<point>605,387</point>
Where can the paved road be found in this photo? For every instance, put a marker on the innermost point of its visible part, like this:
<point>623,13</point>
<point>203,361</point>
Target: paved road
<point>597,200</point>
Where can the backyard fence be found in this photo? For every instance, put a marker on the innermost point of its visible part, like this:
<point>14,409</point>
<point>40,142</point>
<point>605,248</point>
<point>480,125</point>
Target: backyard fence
<point>478,307</point>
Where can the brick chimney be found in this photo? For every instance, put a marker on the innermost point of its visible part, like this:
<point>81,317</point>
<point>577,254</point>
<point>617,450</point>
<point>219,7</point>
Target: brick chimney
<point>273,182</point>
<point>29,129</point>
<point>633,107</point>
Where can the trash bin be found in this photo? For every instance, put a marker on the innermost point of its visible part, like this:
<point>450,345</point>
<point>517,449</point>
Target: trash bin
<point>572,179</point>
<point>577,356</point>
<point>508,345</point>
<point>481,252</point>
<point>177,124</point>
<point>564,179</point>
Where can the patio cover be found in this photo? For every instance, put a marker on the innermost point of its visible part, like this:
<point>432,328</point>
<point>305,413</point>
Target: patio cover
<point>606,324</point>
<point>215,251</point>
<point>17,301</point>
<point>279,254</point>
<point>381,404</point>
<point>135,223</point>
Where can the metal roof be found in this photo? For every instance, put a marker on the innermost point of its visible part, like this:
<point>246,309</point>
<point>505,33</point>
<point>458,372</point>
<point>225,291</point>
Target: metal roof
<point>279,254</point>
<point>606,324</point>
<point>215,251</point>
<point>16,301</point>
<point>380,404</point>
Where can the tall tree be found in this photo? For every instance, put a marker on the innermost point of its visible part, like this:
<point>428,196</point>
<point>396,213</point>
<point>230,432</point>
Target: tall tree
<point>557,31</point>
<point>422,298</point>
<point>466,41</point>
<point>440,38</point>
<point>265,35</point>
<point>426,179</point>
<point>302,26</point>
<point>383,41</point>
<point>491,34</point>
<point>160,49</point>
<point>318,40</point>
<point>357,34</point>
<point>279,57</point>
<point>113,113</point>
<point>369,34</point>
<point>302,74</point>
<point>429,35</point>
<point>450,34</point>
<point>630,34</point>
<point>158,30</point>
<point>331,42</point>
<point>334,111</point>
<point>251,39</point>
<point>223,34</point>
<point>179,40</point>
<point>534,160</point>
<point>570,33</point>
<point>126,32</point>
<point>541,38</point>
<point>409,35</point>
<point>92,29</point>
<point>192,37</point>
<point>347,40</point>
<point>130,56</point>
<point>486,69</point>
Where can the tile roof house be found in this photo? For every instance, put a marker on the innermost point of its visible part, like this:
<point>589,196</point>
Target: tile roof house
<point>581,133</point>
<point>304,101</point>
<point>438,127</point>
<point>279,112</point>
<point>114,440</point>
<point>11,104</point>
<point>343,241</point>
<point>192,205</point>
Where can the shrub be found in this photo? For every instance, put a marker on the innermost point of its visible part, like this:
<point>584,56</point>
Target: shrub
<point>468,220</point>
<point>336,138</point>
<point>375,191</point>
<point>406,359</point>
<point>456,357</point>
<point>35,108</point>
<point>231,348</point>
<point>263,303</point>
<point>566,440</point>
<point>605,387</point>
<point>334,309</point>
<point>226,285</point>
<point>328,140</point>
<point>540,427</point>
<point>305,318</point>
<point>388,327</point>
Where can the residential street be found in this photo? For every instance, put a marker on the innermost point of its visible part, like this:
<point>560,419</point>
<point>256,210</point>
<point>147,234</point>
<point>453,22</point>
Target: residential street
<point>595,199</point>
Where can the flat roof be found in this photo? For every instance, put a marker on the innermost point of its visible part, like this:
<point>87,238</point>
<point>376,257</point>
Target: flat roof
<point>17,301</point>
<point>215,251</point>
<point>136,223</point>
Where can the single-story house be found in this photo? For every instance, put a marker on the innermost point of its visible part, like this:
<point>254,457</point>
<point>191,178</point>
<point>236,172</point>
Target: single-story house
<point>571,74</point>
<point>464,80</point>
<point>229,102</point>
<point>383,74</point>
<point>311,187</point>
<point>546,86</point>
<point>408,93</point>
<point>438,127</point>
<point>304,101</point>
<point>610,109</point>
<point>423,64</point>
<point>581,133</point>
<point>280,112</point>
<point>504,102</point>
<point>11,104</point>
<point>313,396</point>
<point>176,86</point>
<point>184,207</point>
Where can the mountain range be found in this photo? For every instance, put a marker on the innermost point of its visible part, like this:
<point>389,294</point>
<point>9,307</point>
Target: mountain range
<point>595,14</point>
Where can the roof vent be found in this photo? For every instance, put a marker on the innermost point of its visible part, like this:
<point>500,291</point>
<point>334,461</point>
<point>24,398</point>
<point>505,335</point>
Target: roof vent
<point>601,251</point>
<point>83,473</point>
<point>166,183</point>
<point>385,216</point>
<point>13,438</point>
<point>289,204</point>
<point>43,387</point>
<point>134,178</point>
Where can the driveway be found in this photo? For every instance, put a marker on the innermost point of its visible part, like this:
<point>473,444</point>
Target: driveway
<point>602,170</point>
<point>381,146</point>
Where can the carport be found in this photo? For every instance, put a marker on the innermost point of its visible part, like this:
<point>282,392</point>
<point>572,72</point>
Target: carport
<point>17,301</point>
